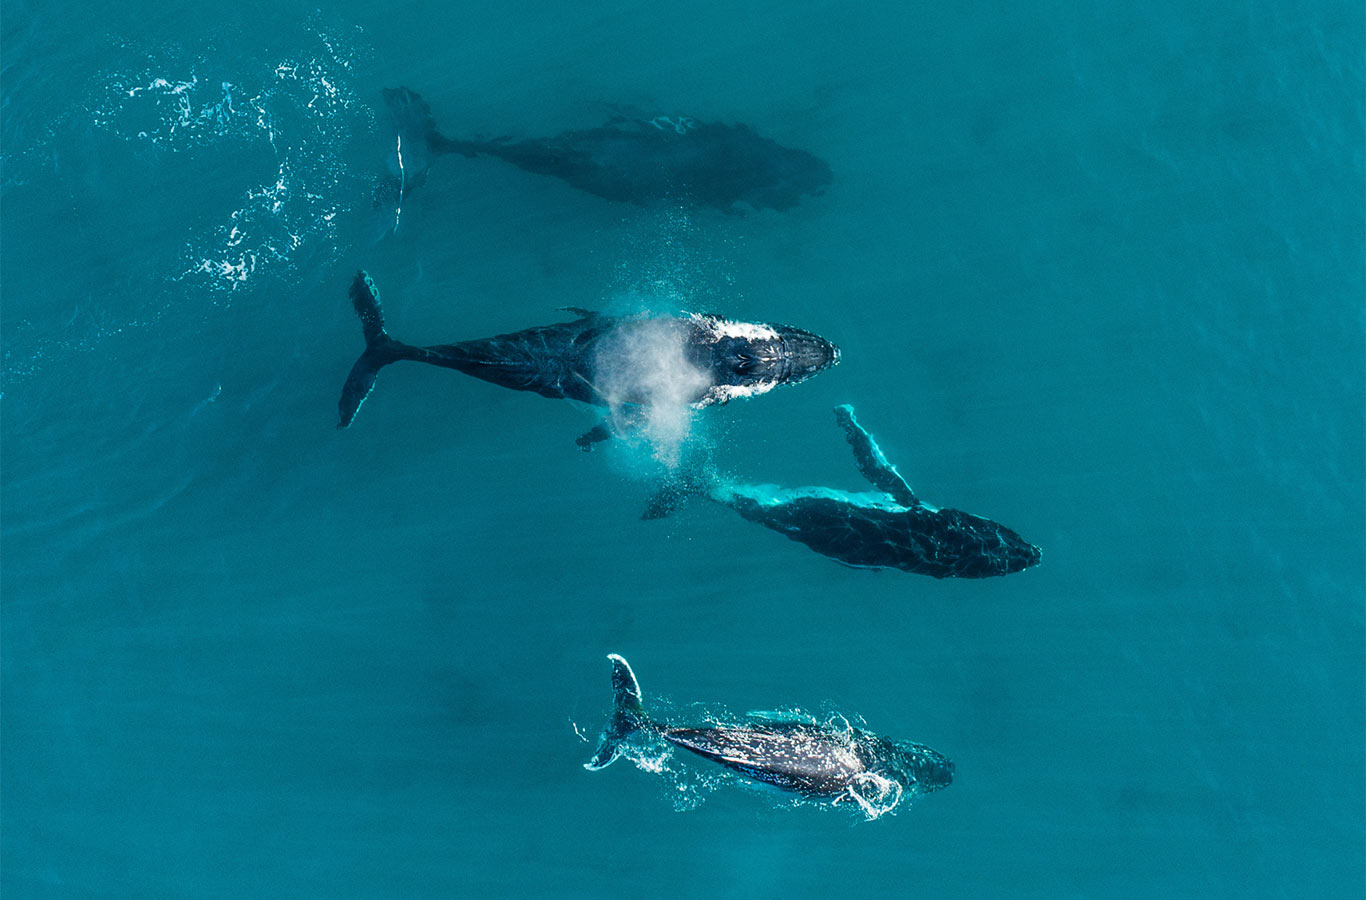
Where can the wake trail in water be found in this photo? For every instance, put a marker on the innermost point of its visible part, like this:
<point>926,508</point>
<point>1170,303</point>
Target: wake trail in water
<point>273,129</point>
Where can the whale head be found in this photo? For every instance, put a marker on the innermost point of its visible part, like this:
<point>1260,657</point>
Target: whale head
<point>745,359</point>
<point>915,764</point>
<point>792,174</point>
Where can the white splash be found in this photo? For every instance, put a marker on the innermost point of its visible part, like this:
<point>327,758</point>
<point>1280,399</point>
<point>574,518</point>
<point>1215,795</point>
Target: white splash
<point>649,384</point>
<point>725,328</point>
<point>875,794</point>
<point>219,114</point>
<point>301,107</point>
<point>724,393</point>
<point>402,183</point>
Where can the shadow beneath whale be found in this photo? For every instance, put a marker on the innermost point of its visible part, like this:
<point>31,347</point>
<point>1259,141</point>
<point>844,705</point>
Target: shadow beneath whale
<point>710,164</point>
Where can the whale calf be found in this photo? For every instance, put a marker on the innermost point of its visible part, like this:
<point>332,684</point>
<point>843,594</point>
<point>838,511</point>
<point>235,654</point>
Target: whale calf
<point>891,529</point>
<point>833,763</point>
<point>726,167</point>
<point>621,362</point>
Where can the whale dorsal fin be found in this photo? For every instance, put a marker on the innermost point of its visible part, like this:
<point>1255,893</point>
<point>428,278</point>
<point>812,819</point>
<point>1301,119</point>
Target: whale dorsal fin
<point>580,311</point>
<point>871,463</point>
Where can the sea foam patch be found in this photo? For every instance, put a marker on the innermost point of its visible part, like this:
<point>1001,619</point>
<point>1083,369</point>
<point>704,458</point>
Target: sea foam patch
<point>297,109</point>
<point>264,133</point>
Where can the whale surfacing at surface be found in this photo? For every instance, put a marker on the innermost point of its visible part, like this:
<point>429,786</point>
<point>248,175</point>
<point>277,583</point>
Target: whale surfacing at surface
<point>620,362</point>
<point>834,763</point>
<point>726,167</point>
<point>888,529</point>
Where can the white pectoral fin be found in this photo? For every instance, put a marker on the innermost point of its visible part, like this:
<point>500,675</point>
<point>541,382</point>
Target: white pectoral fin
<point>872,464</point>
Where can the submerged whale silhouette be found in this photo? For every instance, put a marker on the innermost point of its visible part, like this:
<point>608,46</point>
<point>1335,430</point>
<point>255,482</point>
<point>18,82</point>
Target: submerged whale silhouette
<point>826,762</point>
<point>619,362</point>
<point>889,529</point>
<point>727,167</point>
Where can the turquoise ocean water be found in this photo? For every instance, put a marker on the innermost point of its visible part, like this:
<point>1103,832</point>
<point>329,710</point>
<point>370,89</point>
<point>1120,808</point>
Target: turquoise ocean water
<point>1096,271</point>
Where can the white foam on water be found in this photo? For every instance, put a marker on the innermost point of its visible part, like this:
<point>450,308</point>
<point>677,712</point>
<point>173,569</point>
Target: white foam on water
<point>300,109</point>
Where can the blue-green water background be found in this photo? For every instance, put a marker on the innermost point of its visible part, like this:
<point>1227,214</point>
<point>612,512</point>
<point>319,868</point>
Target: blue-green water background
<point>1097,273</point>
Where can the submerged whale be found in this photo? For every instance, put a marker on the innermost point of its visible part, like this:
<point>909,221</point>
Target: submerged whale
<point>824,762</point>
<point>728,167</point>
<point>621,362</point>
<point>890,529</point>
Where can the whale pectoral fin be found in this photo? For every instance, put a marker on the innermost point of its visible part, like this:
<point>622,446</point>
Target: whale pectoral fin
<point>596,435</point>
<point>666,499</point>
<point>621,420</point>
<point>675,491</point>
<point>872,465</point>
<point>662,503</point>
<point>781,715</point>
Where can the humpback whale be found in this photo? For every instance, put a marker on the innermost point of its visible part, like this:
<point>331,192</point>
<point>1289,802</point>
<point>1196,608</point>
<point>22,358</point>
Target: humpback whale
<point>625,362</point>
<point>892,528</point>
<point>728,167</point>
<point>830,762</point>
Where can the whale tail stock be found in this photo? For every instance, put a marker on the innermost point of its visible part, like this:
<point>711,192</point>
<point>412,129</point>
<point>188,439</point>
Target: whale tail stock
<point>380,349</point>
<point>628,715</point>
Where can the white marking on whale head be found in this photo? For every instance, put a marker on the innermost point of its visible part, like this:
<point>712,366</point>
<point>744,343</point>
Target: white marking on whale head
<point>719,328</point>
<point>724,393</point>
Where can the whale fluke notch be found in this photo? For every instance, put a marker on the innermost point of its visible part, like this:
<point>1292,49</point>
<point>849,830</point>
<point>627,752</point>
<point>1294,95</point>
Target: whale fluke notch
<point>628,714</point>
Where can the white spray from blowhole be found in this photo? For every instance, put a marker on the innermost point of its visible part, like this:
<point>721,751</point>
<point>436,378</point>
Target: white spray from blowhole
<point>669,266</point>
<point>643,372</point>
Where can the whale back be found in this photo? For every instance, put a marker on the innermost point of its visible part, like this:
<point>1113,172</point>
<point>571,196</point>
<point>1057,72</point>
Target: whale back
<point>794,756</point>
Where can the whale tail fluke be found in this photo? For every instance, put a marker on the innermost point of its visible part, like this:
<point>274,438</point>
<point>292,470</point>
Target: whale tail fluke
<point>380,349</point>
<point>412,118</point>
<point>628,715</point>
